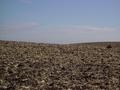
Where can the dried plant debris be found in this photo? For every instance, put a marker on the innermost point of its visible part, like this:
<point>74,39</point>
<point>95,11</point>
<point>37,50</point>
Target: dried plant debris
<point>33,66</point>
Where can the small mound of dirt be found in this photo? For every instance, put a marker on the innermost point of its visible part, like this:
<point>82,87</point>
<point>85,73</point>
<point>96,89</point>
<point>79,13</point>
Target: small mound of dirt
<point>109,46</point>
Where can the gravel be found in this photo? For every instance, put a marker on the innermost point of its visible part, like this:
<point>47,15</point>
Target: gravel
<point>39,66</point>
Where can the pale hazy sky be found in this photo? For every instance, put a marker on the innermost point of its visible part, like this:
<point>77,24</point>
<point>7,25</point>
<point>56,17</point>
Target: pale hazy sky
<point>60,21</point>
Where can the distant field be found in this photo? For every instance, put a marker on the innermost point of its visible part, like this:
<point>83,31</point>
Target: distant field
<point>39,66</point>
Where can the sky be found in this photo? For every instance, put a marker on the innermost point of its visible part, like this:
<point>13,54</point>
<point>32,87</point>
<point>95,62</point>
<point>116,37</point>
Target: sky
<point>60,21</point>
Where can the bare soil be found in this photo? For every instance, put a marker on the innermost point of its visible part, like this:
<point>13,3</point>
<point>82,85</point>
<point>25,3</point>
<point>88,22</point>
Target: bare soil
<point>38,66</point>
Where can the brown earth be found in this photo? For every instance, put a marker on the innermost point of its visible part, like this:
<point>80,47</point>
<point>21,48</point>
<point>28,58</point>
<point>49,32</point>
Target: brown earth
<point>33,66</point>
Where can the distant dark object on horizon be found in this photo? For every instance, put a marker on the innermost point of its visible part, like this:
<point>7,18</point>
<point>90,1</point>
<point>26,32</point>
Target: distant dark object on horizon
<point>109,46</point>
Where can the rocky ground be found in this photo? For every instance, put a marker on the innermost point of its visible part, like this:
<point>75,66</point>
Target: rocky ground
<point>32,66</point>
